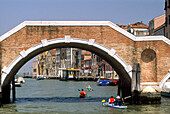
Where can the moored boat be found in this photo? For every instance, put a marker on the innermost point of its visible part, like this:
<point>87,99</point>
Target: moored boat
<point>103,82</point>
<point>40,77</point>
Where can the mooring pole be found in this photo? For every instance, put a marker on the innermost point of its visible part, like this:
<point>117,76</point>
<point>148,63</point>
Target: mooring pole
<point>13,89</point>
<point>135,82</point>
<point>119,92</point>
<point>0,96</point>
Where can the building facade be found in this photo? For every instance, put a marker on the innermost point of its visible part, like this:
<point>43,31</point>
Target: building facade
<point>35,68</point>
<point>138,29</point>
<point>157,26</point>
<point>167,18</point>
<point>50,63</point>
<point>42,63</point>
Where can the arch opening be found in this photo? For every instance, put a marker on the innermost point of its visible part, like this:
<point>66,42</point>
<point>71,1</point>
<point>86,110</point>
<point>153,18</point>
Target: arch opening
<point>110,56</point>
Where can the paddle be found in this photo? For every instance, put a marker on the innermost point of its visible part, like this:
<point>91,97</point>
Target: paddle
<point>127,97</point>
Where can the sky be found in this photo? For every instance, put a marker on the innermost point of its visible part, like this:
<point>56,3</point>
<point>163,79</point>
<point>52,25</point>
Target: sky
<point>123,12</point>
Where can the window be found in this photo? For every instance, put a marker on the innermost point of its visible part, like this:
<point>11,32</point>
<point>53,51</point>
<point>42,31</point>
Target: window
<point>63,56</point>
<point>35,70</point>
<point>107,67</point>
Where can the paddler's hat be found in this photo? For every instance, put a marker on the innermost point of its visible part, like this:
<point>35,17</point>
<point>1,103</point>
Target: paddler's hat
<point>118,97</point>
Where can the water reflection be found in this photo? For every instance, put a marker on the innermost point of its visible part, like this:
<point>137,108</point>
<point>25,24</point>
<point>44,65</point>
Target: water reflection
<point>61,99</point>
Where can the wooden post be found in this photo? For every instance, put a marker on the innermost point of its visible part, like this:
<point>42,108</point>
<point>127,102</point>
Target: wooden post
<point>138,78</point>
<point>119,88</point>
<point>6,94</point>
<point>13,89</point>
<point>0,96</point>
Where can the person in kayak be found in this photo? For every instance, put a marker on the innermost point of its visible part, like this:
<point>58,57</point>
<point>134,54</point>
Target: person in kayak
<point>89,88</point>
<point>111,100</point>
<point>82,93</point>
<point>119,101</point>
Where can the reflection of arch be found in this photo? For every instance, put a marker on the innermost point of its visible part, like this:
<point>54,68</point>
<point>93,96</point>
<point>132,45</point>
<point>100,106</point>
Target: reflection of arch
<point>110,56</point>
<point>164,79</point>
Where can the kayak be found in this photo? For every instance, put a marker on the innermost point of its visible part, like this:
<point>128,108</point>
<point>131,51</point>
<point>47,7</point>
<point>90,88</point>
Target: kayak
<point>82,96</point>
<point>114,106</point>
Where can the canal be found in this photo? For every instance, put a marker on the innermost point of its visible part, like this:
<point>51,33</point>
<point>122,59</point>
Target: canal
<point>61,97</point>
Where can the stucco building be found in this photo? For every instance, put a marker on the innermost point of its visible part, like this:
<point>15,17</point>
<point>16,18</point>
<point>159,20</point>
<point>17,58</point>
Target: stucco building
<point>157,26</point>
<point>50,63</point>
<point>138,29</point>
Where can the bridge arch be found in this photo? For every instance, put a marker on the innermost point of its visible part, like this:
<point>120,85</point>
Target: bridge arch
<point>124,70</point>
<point>164,80</point>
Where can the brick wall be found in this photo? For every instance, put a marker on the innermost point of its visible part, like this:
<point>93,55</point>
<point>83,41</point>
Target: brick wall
<point>127,49</point>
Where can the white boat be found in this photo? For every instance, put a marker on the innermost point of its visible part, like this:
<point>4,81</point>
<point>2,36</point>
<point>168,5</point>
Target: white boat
<point>40,77</point>
<point>166,89</point>
<point>114,106</point>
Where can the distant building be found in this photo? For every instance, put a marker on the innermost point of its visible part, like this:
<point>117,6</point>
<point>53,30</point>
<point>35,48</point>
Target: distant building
<point>138,29</point>
<point>35,68</point>
<point>67,58</point>
<point>108,70</point>
<point>123,26</point>
<point>78,60</point>
<point>50,63</point>
<point>42,63</point>
<point>157,26</point>
<point>86,60</point>
<point>94,65</point>
<point>167,18</point>
<point>58,60</point>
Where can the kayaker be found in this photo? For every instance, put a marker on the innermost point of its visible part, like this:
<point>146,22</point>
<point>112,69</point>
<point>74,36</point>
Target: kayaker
<point>82,93</point>
<point>119,101</point>
<point>111,100</point>
<point>89,88</point>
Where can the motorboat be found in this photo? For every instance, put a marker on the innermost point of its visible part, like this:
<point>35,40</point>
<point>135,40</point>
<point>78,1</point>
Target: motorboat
<point>40,77</point>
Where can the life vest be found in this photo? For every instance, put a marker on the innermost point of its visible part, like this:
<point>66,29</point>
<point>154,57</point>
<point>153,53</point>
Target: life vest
<point>82,93</point>
<point>112,100</point>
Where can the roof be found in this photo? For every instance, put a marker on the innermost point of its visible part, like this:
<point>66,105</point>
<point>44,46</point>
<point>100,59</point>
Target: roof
<point>53,51</point>
<point>122,26</point>
<point>138,25</point>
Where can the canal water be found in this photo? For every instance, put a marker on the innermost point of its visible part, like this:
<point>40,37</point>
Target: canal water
<point>62,97</point>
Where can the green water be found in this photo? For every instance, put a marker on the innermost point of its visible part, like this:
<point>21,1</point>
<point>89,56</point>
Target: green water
<point>60,97</point>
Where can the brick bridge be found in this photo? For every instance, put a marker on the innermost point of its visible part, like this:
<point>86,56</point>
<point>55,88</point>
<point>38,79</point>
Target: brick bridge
<point>118,47</point>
